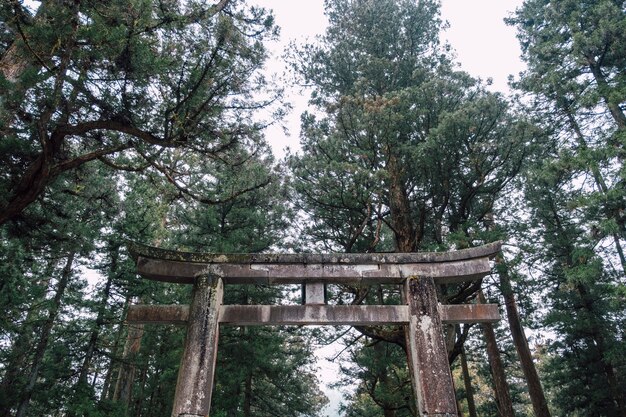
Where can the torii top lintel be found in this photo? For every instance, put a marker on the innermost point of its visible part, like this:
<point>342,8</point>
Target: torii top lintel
<point>347,268</point>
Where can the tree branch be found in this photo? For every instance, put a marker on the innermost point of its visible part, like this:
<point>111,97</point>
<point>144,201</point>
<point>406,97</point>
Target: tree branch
<point>115,126</point>
<point>184,191</point>
<point>79,160</point>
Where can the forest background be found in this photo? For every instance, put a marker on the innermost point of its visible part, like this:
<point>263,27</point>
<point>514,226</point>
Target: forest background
<point>144,120</point>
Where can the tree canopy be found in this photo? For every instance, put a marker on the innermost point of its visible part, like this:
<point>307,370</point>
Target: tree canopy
<point>133,85</point>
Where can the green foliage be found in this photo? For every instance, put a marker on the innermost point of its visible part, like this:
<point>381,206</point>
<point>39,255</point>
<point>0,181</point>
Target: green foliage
<point>401,129</point>
<point>134,85</point>
<point>402,153</point>
<point>575,56</point>
<point>136,120</point>
<point>163,150</point>
<point>583,310</point>
<point>383,380</point>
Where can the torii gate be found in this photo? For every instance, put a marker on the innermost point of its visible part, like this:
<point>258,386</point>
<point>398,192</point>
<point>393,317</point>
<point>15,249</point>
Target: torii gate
<point>417,273</point>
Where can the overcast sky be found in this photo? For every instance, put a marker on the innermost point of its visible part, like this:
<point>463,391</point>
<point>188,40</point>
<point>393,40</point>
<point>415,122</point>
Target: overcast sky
<point>485,48</point>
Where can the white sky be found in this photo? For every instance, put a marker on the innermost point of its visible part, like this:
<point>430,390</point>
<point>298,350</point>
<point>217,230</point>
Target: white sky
<point>485,48</point>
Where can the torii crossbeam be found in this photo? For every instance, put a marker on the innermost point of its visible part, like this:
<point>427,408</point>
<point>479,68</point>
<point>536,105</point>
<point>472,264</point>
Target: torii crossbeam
<point>417,273</point>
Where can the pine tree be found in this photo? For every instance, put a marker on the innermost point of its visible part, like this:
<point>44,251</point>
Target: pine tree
<point>575,57</point>
<point>130,85</point>
<point>584,367</point>
<point>81,204</point>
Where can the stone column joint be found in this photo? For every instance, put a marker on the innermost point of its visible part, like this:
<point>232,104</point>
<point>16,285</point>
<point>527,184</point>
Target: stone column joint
<point>209,276</point>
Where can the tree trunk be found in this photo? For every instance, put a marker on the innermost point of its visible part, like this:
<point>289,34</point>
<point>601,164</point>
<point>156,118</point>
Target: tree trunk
<point>387,412</point>
<point>600,183</point>
<point>81,387</point>
<point>19,56</point>
<point>126,375</point>
<point>469,391</point>
<point>42,345</point>
<point>12,382</point>
<point>15,61</point>
<point>383,378</point>
<point>503,398</point>
<point>108,389</point>
<point>154,393</point>
<point>95,333</point>
<point>137,403</point>
<point>247,396</point>
<point>537,397</point>
<point>405,233</point>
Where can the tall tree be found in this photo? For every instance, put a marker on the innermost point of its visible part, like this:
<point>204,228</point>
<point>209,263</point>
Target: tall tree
<point>405,140</point>
<point>575,57</point>
<point>59,244</point>
<point>584,312</point>
<point>403,152</point>
<point>133,120</point>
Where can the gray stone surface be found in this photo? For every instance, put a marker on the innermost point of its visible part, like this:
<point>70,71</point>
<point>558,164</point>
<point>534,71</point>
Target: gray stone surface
<point>149,252</point>
<point>426,350</point>
<point>360,315</point>
<point>183,272</point>
<point>195,376</point>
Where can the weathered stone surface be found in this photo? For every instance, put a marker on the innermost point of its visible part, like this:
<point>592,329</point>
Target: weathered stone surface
<point>254,315</point>
<point>195,376</point>
<point>489,250</point>
<point>284,273</point>
<point>314,293</point>
<point>422,315</point>
<point>469,313</point>
<point>427,355</point>
<point>159,314</point>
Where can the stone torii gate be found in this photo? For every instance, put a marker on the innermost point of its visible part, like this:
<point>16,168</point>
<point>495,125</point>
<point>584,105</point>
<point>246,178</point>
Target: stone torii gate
<point>417,273</point>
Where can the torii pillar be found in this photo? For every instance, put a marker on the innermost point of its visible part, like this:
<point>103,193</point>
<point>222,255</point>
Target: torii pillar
<point>426,351</point>
<point>194,386</point>
<point>422,315</point>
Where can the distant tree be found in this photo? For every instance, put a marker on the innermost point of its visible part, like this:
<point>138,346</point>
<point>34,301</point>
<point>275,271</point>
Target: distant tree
<point>383,385</point>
